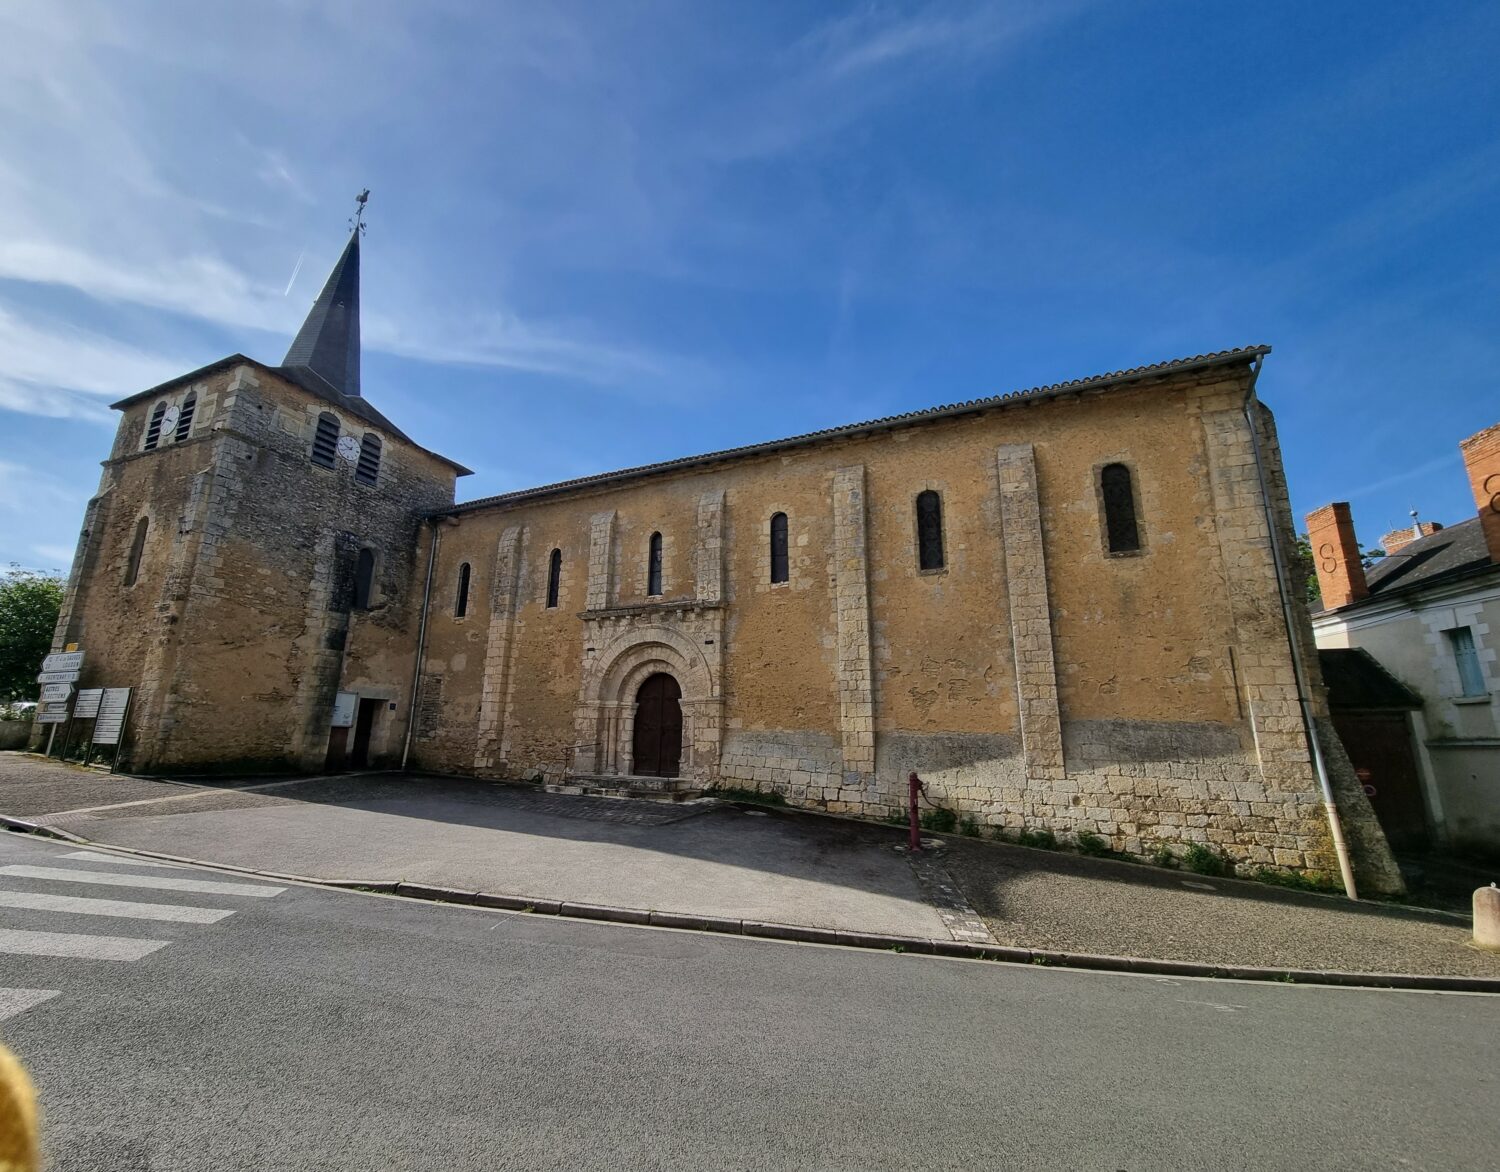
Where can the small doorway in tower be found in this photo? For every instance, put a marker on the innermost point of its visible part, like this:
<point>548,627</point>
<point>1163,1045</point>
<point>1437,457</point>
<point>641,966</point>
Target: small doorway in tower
<point>657,741</point>
<point>364,724</point>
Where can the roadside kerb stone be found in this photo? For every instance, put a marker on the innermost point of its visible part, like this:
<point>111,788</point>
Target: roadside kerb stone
<point>914,945</point>
<point>21,826</point>
<point>435,894</point>
<point>697,923</point>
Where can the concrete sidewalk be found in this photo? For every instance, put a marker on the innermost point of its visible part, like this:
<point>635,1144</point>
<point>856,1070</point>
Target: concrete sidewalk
<point>775,865</point>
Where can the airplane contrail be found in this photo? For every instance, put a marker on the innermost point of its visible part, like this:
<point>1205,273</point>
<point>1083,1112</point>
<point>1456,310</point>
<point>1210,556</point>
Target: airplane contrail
<point>295,271</point>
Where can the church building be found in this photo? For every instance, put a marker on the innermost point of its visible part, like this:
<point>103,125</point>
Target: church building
<point>1065,608</point>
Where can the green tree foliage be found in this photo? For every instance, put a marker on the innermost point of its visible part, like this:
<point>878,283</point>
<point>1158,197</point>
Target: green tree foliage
<point>29,603</point>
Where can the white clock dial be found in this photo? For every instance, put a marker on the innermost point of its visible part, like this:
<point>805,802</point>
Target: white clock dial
<point>349,449</point>
<point>169,420</point>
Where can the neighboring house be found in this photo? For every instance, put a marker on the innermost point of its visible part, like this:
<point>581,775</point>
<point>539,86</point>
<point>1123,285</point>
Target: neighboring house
<point>1429,613</point>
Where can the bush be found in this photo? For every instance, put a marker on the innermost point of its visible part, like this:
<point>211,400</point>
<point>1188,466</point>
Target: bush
<point>1162,856</point>
<point>1042,840</point>
<point>1204,860</point>
<point>1092,844</point>
<point>940,820</point>
<point>969,825</point>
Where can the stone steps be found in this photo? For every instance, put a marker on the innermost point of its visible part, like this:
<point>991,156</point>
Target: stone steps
<point>650,789</point>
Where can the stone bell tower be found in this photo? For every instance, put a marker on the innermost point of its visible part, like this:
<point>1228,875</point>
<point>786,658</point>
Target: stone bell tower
<point>251,551</point>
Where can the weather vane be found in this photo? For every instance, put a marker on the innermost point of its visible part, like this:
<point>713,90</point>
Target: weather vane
<point>357,221</point>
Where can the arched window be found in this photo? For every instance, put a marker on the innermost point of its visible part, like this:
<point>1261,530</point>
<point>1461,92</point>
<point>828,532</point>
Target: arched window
<point>364,579</point>
<point>779,569</point>
<point>325,440</point>
<point>137,547</point>
<point>554,577</point>
<point>1120,529</point>
<point>929,530</point>
<point>461,603</point>
<point>653,569</point>
<point>185,418</point>
<point>367,471</point>
<point>153,428</point>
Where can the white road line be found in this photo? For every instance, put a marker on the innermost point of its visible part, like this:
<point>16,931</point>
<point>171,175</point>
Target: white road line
<point>73,944</point>
<point>14,1001</point>
<point>98,857</point>
<point>159,882</point>
<point>43,901</point>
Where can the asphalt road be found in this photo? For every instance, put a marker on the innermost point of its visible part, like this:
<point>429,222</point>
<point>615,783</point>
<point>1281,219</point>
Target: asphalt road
<point>317,1029</point>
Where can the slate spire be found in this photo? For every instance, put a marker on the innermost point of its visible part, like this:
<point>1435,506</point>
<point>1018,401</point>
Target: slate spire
<point>328,342</point>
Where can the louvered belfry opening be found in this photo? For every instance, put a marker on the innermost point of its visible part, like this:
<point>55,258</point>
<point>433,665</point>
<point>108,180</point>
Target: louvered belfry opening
<point>185,418</point>
<point>325,440</point>
<point>153,428</point>
<point>367,471</point>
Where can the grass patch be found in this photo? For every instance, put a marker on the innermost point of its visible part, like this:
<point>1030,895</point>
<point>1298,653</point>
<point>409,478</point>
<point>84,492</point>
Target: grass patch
<point>1092,844</point>
<point>1042,840</point>
<point>1297,881</point>
<point>1204,860</point>
<point>939,820</point>
<point>736,793</point>
<point>968,825</point>
<point>1162,856</point>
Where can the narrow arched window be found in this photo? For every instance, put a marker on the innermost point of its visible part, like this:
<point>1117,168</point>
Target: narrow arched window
<point>653,569</point>
<point>929,530</point>
<point>779,568</point>
<point>461,602</point>
<point>554,577</point>
<point>137,548</point>
<point>185,418</point>
<point>367,471</point>
<point>1120,529</point>
<point>153,428</point>
<point>364,579</point>
<point>325,440</point>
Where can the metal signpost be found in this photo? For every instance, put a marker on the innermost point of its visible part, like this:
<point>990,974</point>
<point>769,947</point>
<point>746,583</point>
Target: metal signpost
<point>58,675</point>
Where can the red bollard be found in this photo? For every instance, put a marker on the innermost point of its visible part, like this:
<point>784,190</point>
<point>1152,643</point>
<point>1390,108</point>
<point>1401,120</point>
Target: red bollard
<point>914,787</point>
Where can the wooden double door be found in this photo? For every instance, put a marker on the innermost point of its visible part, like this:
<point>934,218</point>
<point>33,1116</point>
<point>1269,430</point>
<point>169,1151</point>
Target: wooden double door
<point>657,743</point>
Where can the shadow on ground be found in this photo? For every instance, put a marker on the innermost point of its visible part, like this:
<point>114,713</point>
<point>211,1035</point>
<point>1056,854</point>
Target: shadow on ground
<point>730,859</point>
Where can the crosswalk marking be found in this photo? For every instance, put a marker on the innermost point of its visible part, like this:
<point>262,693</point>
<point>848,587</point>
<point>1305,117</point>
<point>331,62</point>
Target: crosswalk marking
<point>112,907</point>
<point>73,944</point>
<point>14,1001</point>
<point>98,857</point>
<point>158,882</point>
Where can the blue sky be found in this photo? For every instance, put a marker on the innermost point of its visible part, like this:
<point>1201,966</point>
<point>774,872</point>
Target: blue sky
<point>608,233</point>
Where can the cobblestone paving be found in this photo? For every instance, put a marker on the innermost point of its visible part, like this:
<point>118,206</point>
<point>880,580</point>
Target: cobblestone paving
<point>940,890</point>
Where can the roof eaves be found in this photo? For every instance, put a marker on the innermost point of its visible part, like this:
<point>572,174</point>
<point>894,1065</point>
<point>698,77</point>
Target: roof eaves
<point>1098,382</point>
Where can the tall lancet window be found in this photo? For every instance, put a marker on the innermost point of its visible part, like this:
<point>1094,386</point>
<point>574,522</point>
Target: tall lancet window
<point>929,530</point>
<point>780,570</point>
<point>137,548</point>
<point>461,600</point>
<point>1121,532</point>
<point>554,578</point>
<point>653,566</point>
<point>364,579</point>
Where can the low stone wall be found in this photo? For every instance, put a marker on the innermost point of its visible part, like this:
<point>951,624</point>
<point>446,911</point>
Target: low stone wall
<point>14,734</point>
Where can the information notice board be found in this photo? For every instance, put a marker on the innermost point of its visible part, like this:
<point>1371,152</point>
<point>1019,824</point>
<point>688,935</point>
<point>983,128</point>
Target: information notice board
<point>111,718</point>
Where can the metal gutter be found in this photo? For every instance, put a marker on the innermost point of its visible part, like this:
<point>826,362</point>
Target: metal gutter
<point>1299,669</point>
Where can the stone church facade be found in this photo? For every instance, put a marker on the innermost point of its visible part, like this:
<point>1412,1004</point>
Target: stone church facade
<point>1059,606</point>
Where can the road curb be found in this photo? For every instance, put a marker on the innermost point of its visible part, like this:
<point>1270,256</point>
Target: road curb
<point>838,937</point>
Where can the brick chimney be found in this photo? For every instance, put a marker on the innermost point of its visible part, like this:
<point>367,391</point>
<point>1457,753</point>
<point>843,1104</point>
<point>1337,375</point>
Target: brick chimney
<point>1341,574</point>
<point>1481,453</point>
<point>1397,538</point>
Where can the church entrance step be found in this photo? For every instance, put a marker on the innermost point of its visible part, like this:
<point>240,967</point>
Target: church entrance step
<point>652,789</point>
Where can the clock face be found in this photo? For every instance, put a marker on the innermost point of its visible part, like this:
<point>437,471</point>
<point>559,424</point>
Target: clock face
<point>349,449</point>
<point>169,419</point>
